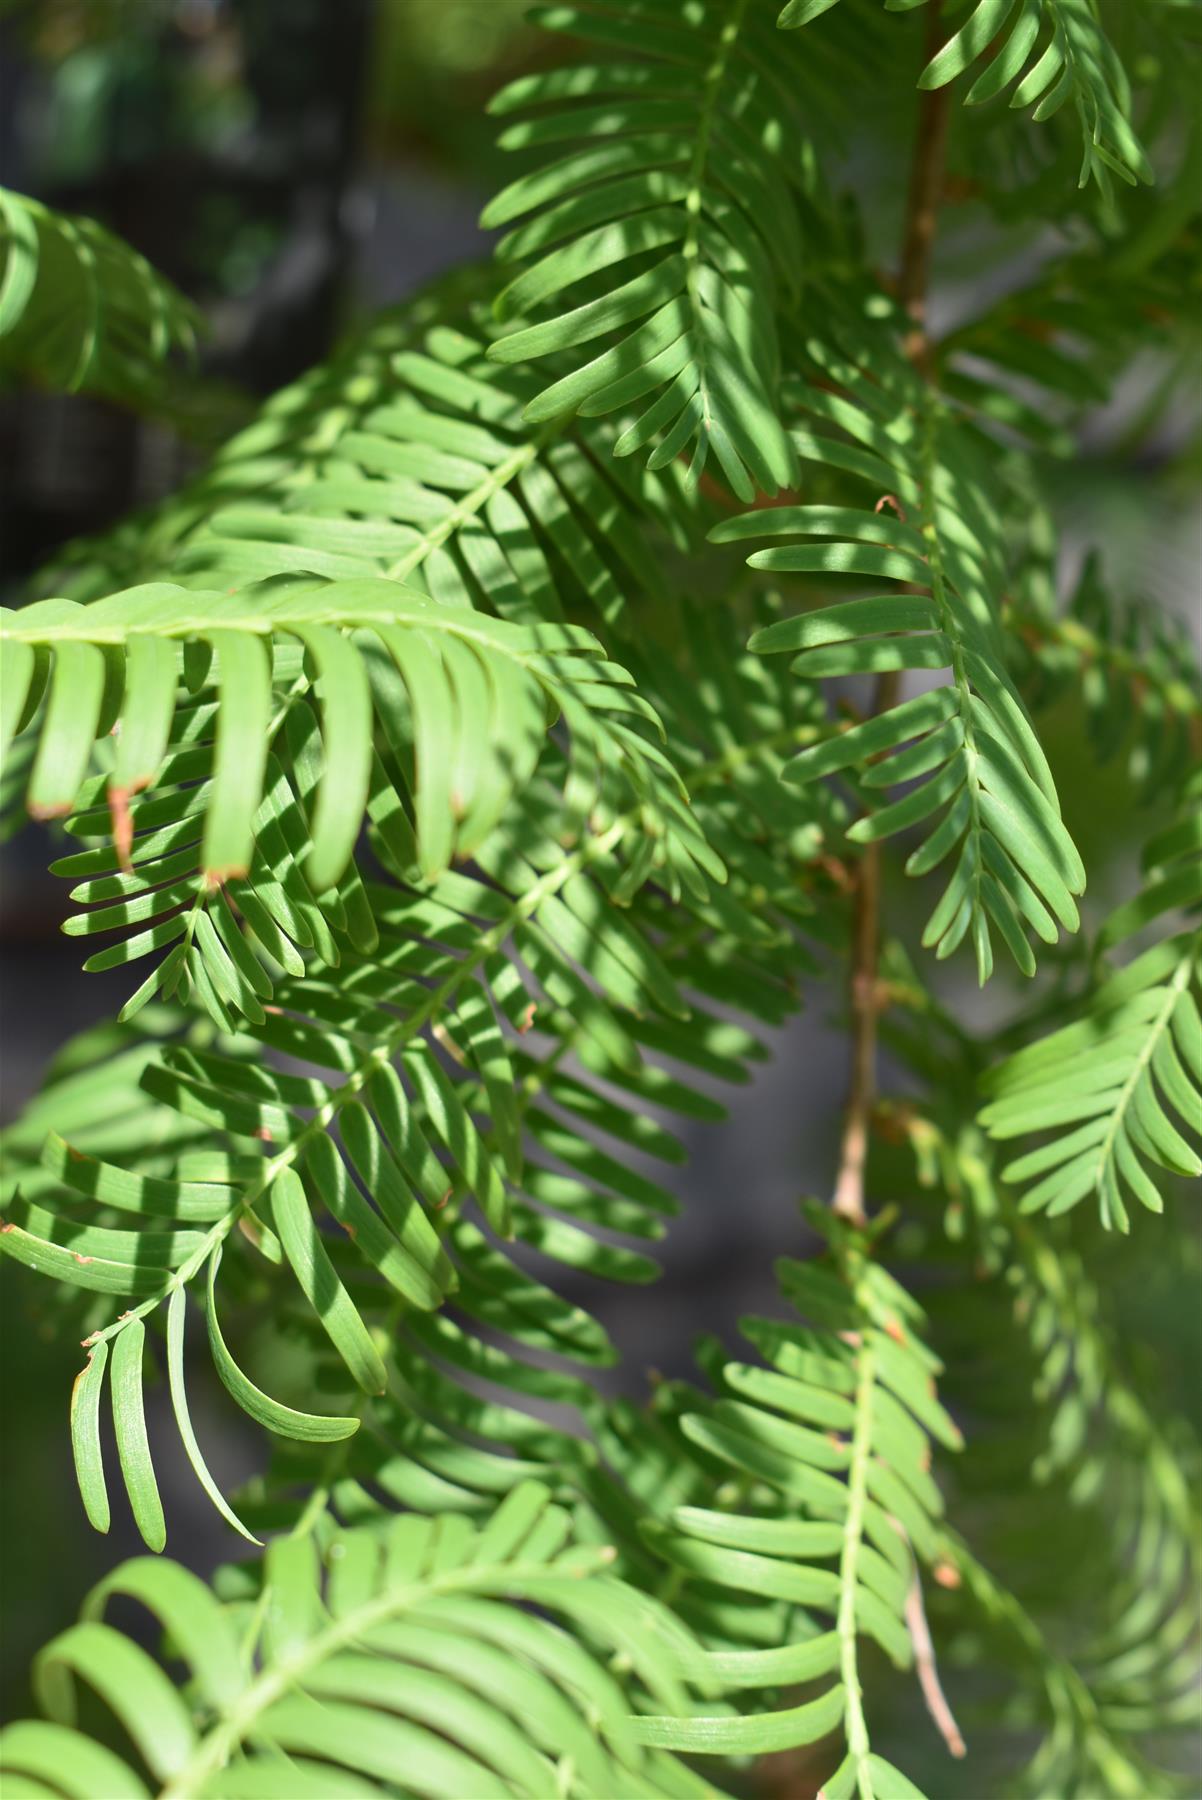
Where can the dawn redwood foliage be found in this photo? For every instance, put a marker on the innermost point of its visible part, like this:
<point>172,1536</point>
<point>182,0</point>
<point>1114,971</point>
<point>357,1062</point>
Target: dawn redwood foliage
<point>456,760</point>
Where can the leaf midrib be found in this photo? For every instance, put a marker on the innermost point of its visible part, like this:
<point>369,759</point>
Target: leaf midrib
<point>950,625</point>
<point>846,1623</point>
<point>1160,1023</point>
<point>213,1751</point>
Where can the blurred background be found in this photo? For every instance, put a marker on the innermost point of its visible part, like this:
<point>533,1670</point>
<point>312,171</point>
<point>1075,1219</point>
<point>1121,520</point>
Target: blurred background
<point>293,165</point>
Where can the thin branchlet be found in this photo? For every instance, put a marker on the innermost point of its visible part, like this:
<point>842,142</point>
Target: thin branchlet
<point>918,237</point>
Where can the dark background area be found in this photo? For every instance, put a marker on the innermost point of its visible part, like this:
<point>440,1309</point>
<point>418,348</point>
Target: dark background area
<point>292,165</point>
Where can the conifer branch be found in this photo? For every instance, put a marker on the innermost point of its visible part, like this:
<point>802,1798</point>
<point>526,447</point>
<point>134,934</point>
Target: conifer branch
<point>918,236</point>
<point>427,608</point>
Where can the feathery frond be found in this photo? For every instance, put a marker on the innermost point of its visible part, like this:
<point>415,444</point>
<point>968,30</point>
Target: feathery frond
<point>1051,53</point>
<point>1136,673</point>
<point>417,747</point>
<point>463,1660</point>
<point>934,530</point>
<point>657,253</point>
<point>1039,360</point>
<point>1113,1089</point>
<point>1142,1662</point>
<point>1093,1452</point>
<point>431,1095</point>
<point>1081,1755</point>
<point>423,515</point>
<point>834,1438</point>
<point>79,309</point>
<point>464,699</point>
<point>406,457</point>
